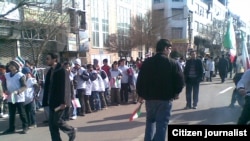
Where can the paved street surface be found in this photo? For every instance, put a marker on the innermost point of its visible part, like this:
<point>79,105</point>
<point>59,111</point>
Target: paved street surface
<point>113,124</point>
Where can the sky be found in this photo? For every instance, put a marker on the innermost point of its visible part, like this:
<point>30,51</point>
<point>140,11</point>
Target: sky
<point>240,7</point>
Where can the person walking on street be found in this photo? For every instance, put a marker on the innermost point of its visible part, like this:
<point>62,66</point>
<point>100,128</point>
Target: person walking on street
<point>57,97</point>
<point>193,73</point>
<point>243,87</point>
<point>14,87</point>
<point>235,95</point>
<point>30,92</point>
<point>160,81</point>
<point>223,68</point>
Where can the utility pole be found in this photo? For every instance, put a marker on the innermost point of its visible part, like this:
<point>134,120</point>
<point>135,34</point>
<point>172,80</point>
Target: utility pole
<point>190,32</point>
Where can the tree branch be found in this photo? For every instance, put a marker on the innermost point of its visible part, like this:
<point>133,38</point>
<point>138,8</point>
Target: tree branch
<point>22,3</point>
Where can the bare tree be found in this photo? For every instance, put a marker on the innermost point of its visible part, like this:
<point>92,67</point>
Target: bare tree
<point>146,29</point>
<point>143,32</point>
<point>215,33</point>
<point>40,24</point>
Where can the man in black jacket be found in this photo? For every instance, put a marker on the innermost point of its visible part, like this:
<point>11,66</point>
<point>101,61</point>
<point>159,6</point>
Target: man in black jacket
<point>193,72</point>
<point>160,80</point>
<point>57,97</point>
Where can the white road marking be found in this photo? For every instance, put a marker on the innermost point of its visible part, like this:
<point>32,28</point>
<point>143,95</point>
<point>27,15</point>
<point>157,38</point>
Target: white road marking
<point>227,89</point>
<point>172,120</point>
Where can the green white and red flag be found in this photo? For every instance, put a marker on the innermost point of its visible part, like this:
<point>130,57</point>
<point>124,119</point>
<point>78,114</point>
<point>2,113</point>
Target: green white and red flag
<point>229,41</point>
<point>136,113</point>
<point>245,56</point>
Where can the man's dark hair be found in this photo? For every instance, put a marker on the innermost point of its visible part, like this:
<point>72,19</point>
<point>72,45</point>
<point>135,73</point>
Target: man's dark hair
<point>53,56</point>
<point>105,60</point>
<point>2,66</point>
<point>89,66</point>
<point>66,63</point>
<point>162,44</point>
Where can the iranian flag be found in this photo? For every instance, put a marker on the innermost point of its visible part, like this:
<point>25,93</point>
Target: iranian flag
<point>136,113</point>
<point>245,56</point>
<point>229,40</point>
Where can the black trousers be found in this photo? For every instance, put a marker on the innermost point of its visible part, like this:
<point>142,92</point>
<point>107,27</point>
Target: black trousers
<point>12,115</point>
<point>80,93</point>
<point>30,113</point>
<point>57,122</point>
<point>124,92</point>
<point>245,114</point>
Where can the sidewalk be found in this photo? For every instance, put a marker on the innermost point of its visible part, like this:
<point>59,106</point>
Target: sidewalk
<point>106,125</point>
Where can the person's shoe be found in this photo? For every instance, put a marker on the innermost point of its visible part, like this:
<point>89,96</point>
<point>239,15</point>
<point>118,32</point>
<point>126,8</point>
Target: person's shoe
<point>187,107</point>
<point>25,131</point>
<point>5,115</point>
<point>73,117</point>
<point>88,112</point>
<point>2,115</point>
<point>195,107</point>
<point>8,131</point>
<point>105,108</point>
<point>32,126</point>
<point>72,135</point>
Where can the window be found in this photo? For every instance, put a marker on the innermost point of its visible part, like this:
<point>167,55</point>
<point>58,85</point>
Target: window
<point>105,23</point>
<point>72,17</point>
<point>177,0</point>
<point>158,1</point>
<point>196,8</point>
<point>177,33</point>
<point>123,23</point>
<point>196,26</point>
<point>201,28</point>
<point>177,13</point>
<point>201,12</point>
<point>82,24</point>
<point>37,34</point>
<point>205,30</point>
<point>95,23</point>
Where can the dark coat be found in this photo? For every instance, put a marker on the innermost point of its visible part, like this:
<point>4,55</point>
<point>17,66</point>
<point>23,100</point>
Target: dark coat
<point>160,78</point>
<point>198,69</point>
<point>223,65</point>
<point>59,92</point>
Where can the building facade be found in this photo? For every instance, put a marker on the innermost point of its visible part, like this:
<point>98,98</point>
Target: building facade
<point>187,19</point>
<point>110,24</point>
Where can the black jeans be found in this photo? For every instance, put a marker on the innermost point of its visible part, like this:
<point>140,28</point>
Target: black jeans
<point>124,92</point>
<point>80,94</point>
<point>192,90</point>
<point>56,122</point>
<point>245,114</point>
<point>12,115</point>
<point>30,113</point>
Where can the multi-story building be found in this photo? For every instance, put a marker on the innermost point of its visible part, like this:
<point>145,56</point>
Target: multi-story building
<point>36,27</point>
<point>112,18</point>
<point>187,19</point>
<point>74,28</point>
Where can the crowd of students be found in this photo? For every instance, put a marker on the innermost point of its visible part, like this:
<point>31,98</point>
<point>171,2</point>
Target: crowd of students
<point>95,87</point>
